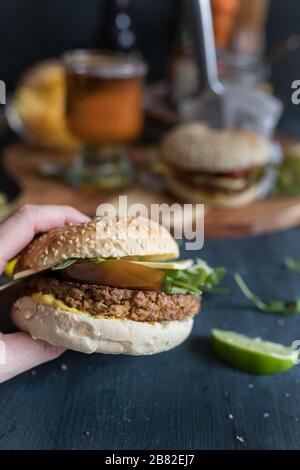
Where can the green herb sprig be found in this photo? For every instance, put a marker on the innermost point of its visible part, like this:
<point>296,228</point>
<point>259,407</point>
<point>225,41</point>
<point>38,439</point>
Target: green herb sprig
<point>65,264</point>
<point>272,306</point>
<point>288,177</point>
<point>292,264</point>
<point>68,262</point>
<point>194,280</point>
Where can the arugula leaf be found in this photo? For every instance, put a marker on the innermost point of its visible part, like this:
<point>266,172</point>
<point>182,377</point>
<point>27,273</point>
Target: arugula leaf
<point>68,262</point>
<point>65,264</point>
<point>214,278</point>
<point>194,280</point>
<point>98,260</point>
<point>288,176</point>
<point>273,306</point>
<point>292,264</point>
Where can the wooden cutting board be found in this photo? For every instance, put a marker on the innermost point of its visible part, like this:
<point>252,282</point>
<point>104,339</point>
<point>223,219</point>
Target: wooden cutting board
<point>21,163</point>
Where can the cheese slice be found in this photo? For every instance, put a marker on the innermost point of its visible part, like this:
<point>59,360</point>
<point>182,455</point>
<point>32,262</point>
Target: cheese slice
<point>221,181</point>
<point>26,273</point>
<point>165,265</point>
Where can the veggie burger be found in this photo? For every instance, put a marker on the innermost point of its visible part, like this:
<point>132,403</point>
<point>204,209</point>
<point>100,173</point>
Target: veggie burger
<point>110,286</point>
<point>225,168</point>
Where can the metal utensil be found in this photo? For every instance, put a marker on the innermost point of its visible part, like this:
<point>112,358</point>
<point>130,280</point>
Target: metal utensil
<point>211,105</point>
<point>230,106</point>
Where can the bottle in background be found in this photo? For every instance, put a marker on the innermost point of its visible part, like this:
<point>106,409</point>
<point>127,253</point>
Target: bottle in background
<point>249,31</point>
<point>224,15</point>
<point>120,33</point>
<point>184,73</point>
<point>243,61</point>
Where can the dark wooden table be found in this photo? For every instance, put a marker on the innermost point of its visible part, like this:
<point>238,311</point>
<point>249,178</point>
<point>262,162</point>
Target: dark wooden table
<point>176,400</point>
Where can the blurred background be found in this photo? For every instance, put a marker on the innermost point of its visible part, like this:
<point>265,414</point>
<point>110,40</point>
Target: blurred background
<point>257,47</point>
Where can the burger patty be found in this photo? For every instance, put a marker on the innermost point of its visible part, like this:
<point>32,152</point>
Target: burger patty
<point>212,182</point>
<point>131,304</point>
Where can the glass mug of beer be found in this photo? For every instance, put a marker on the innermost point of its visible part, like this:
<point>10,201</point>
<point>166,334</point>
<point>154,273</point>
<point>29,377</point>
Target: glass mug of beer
<point>104,111</point>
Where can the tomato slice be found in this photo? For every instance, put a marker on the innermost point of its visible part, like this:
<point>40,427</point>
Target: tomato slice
<point>116,273</point>
<point>237,174</point>
<point>231,174</point>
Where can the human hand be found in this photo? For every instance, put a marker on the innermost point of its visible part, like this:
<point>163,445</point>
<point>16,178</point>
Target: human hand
<point>21,351</point>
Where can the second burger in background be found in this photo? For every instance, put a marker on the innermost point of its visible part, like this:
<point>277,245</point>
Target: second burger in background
<point>224,168</point>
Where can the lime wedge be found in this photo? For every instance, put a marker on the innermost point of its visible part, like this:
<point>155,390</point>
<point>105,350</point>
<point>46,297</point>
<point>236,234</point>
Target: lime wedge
<point>253,354</point>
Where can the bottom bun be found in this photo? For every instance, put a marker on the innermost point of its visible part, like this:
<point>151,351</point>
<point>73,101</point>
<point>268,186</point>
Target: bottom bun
<point>103,335</point>
<point>220,199</point>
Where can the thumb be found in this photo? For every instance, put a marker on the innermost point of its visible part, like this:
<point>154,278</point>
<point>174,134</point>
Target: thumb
<point>19,352</point>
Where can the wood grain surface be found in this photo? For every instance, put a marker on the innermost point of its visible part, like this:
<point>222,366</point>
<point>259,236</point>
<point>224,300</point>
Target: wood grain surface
<point>21,163</point>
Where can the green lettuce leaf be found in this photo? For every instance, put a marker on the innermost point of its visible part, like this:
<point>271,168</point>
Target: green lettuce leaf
<point>65,264</point>
<point>68,262</point>
<point>194,280</point>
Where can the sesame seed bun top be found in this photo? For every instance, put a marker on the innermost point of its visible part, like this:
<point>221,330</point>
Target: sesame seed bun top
<point>195,147</point>
<point>105,237</point>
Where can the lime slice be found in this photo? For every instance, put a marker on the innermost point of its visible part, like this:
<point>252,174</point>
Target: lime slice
<point>253,354</point>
